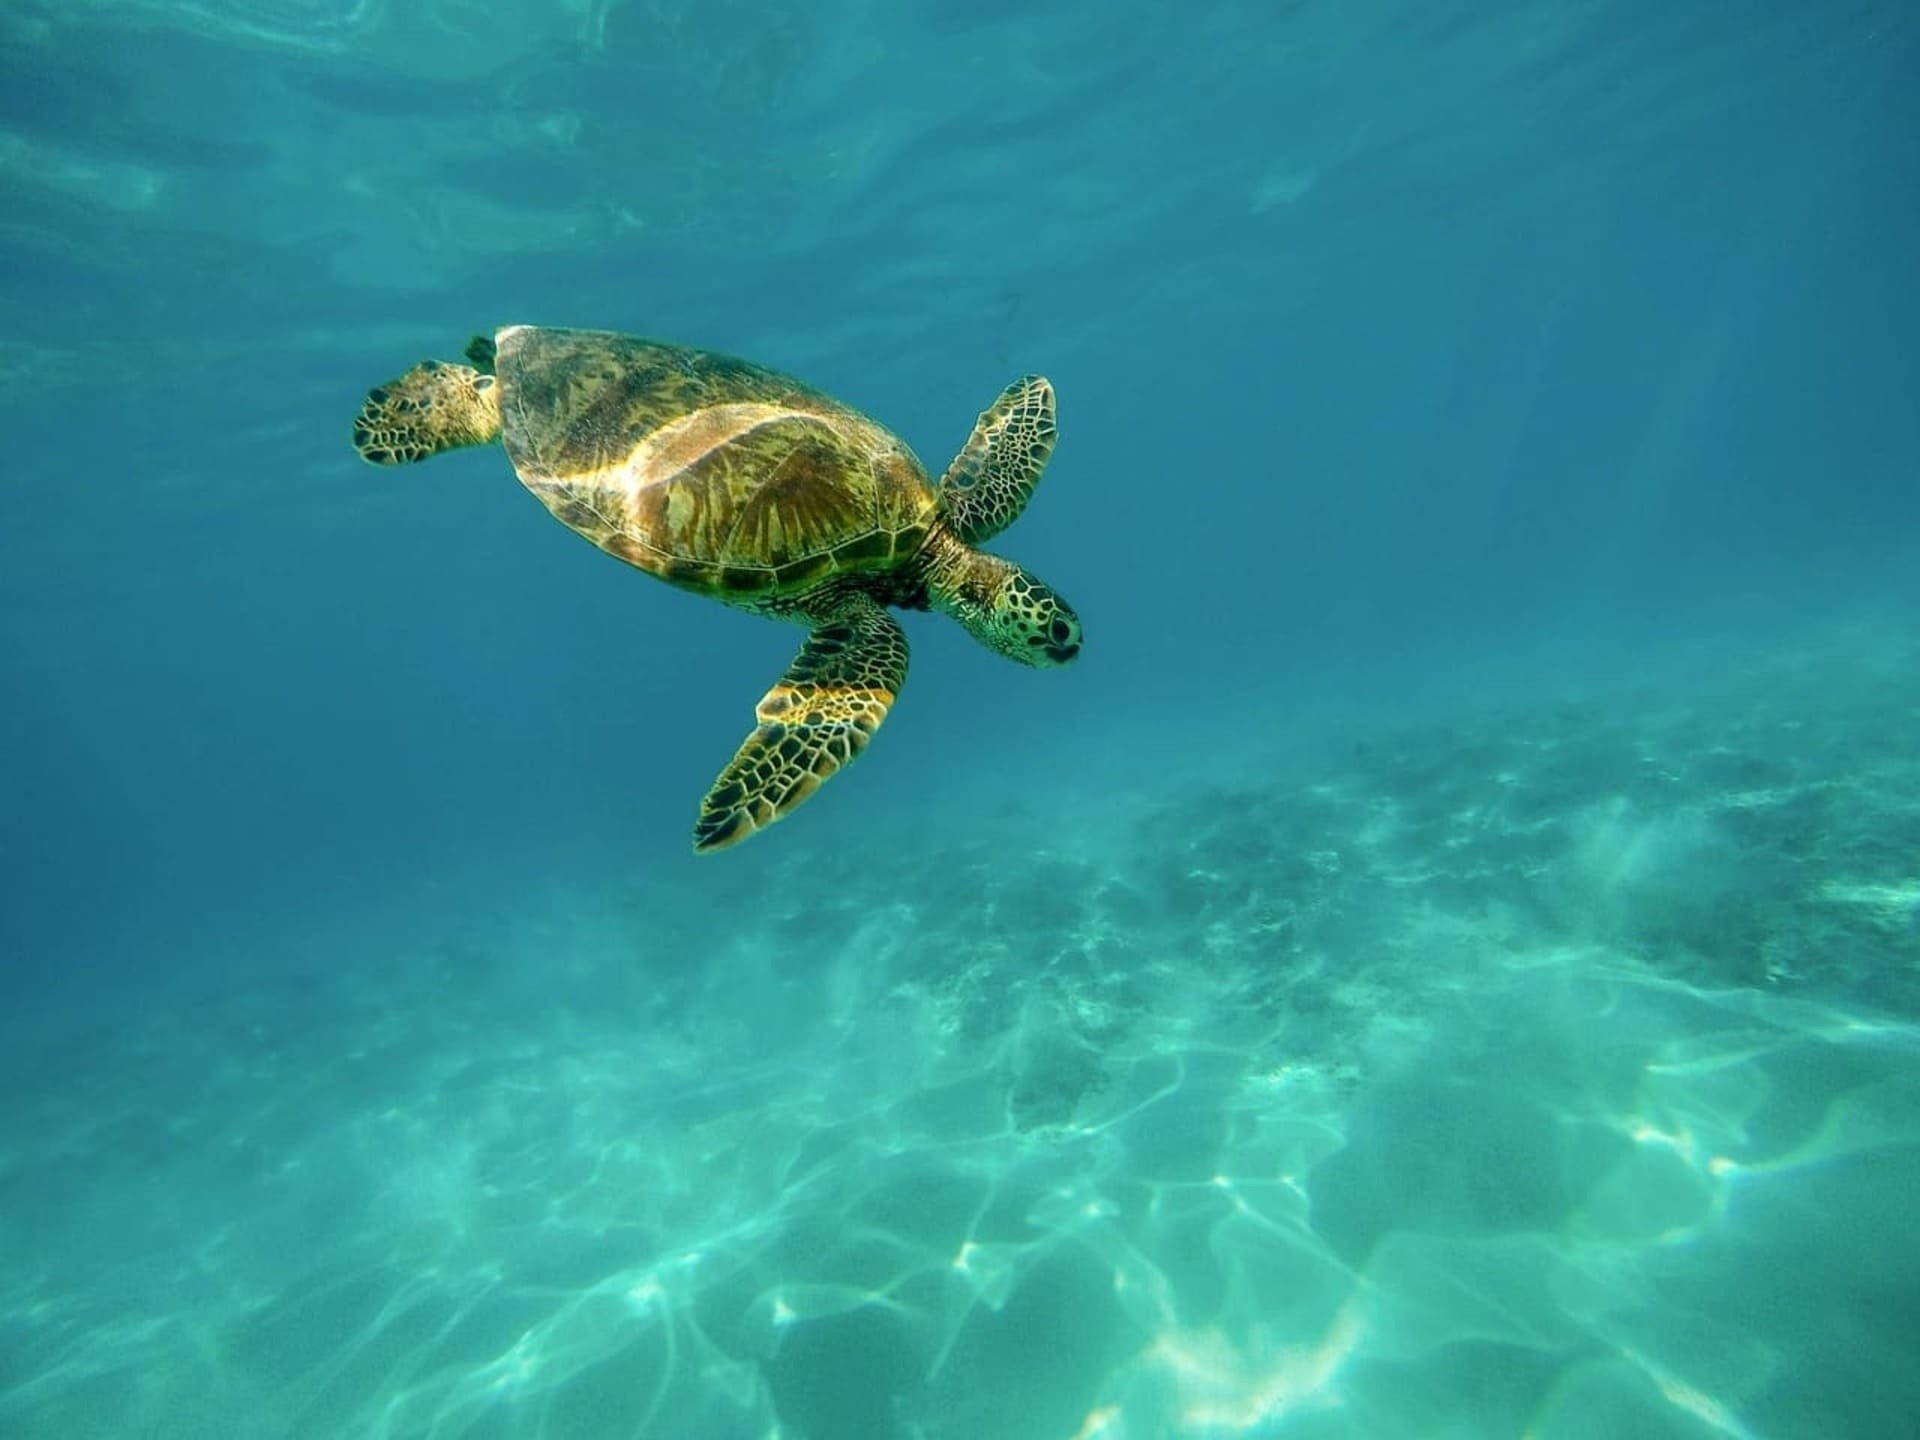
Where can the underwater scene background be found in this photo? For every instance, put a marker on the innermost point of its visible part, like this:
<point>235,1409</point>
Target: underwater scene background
<point>1444,962</point>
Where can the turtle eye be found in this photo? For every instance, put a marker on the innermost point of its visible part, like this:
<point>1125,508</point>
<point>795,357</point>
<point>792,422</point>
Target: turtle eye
<point>1061,631</point>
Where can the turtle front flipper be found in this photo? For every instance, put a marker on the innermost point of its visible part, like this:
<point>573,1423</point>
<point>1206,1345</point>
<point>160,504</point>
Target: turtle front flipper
<point>994,475</point>
<point>433,407</point>
<point>817,719</point>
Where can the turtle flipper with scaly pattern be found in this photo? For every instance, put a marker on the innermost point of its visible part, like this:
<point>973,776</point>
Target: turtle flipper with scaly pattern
<point>739,483</point>
<point>994,475</point>
<point>818,718</point>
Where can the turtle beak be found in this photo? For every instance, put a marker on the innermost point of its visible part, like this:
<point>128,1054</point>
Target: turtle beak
<point>1063,638</point>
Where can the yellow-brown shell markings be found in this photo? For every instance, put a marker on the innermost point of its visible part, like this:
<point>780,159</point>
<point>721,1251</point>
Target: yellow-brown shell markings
<point>709,472</point>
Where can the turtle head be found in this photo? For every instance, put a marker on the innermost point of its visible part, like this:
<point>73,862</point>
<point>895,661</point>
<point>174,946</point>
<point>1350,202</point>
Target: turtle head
<point>1031,624</point>
<point>1007,609</point>
<point>430,409</point>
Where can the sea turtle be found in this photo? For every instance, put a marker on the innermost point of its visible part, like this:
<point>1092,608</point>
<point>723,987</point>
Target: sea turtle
<point>737,482</point>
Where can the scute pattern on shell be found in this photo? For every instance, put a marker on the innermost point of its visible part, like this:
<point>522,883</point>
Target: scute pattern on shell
<point>707,471</point>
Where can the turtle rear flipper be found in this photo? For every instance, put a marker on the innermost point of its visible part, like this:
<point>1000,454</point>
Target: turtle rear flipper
<point>816,720</point>
<point>433,407</point>
<point>994,475</point>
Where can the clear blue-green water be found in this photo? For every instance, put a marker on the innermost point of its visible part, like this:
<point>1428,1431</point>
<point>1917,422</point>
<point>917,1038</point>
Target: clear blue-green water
<point>1444,963</point>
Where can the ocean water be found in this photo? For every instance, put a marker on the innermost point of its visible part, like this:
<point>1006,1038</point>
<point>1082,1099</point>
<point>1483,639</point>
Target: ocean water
<point>1445,961</point>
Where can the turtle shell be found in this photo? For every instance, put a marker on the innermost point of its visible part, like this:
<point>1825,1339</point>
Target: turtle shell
<point>714,474</point>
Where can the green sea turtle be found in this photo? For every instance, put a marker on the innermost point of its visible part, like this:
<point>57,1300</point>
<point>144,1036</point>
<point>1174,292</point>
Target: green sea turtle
<point>733,481</point>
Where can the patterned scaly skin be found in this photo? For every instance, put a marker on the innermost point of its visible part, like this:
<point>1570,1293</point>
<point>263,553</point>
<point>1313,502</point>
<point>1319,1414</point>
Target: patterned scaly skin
<point>818,718</point>
<point>431,408</point>
<point>992,478</point>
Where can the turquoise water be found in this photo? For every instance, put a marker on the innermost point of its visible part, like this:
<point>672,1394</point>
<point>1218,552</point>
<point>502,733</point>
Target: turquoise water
<point>1445,962</point>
